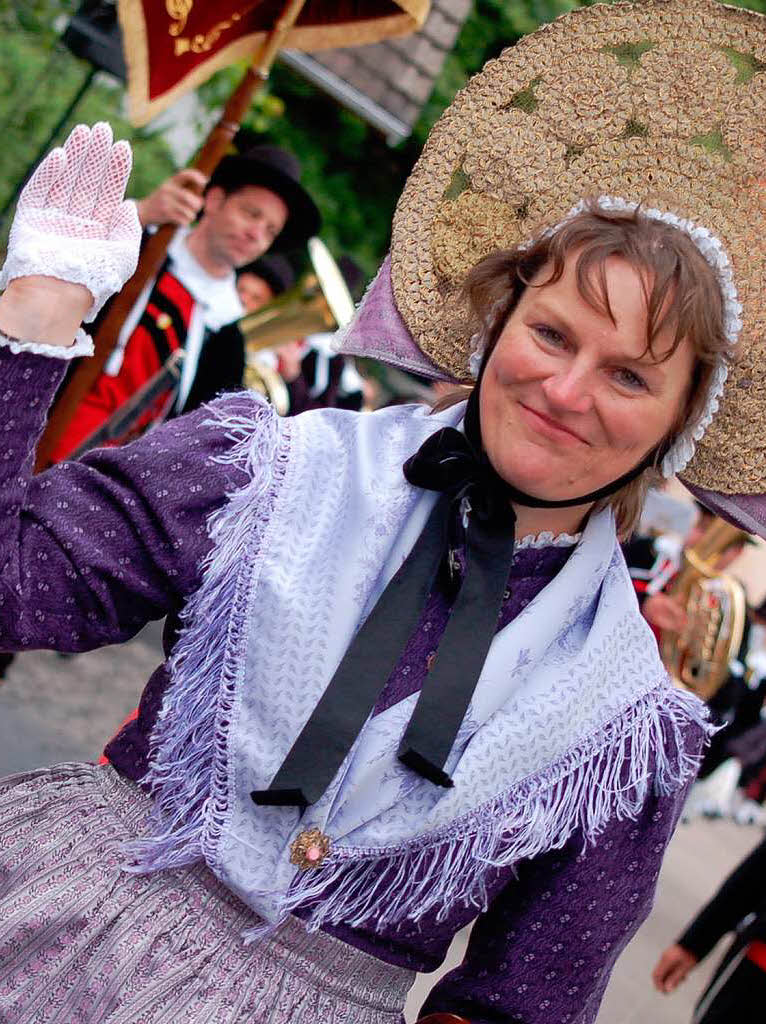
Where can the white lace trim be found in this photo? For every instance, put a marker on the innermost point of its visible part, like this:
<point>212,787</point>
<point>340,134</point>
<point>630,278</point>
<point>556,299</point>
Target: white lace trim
<point>81,346</point>
<point>476,356</point>
<point>682,450</point>
<point>548,540</point>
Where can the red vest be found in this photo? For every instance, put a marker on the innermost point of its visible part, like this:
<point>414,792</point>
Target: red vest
<point>161,330</point>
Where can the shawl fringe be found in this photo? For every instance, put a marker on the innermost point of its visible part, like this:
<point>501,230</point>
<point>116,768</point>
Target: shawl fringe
<point>608,777</point>
<point>188,745</point>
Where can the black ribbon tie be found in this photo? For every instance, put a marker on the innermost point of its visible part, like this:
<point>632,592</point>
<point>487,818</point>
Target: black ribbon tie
<point>474,512</point>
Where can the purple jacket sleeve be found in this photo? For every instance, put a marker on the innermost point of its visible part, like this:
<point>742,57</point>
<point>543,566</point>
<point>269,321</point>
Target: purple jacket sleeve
<point>544,951</point>
<point>92,550</point>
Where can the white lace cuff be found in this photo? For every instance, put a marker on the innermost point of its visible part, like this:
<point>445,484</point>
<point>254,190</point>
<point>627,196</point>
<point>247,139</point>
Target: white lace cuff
<point>82,346</point>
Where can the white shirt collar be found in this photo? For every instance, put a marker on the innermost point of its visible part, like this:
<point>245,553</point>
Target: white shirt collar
<point>216,295</point>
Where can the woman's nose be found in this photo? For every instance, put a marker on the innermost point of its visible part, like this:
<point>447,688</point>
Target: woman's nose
<point>570,390</point>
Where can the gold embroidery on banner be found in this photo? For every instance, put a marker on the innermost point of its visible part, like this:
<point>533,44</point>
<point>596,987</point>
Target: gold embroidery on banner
<point>179,10</point>
<point>204,41</point>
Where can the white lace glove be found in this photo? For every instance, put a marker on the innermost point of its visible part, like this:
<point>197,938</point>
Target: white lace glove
<point>72,222</point>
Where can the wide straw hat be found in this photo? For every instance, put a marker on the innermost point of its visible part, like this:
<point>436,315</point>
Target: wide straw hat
<point>662,103</point>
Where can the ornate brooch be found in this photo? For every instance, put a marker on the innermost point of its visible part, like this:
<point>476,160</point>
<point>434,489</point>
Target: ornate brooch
<point>309,849</point>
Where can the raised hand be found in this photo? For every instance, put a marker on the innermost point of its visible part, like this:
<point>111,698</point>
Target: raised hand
<point>73,224</point>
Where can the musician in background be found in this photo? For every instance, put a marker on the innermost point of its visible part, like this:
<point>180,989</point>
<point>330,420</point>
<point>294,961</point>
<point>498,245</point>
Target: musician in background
<point>253,202</point>
<point>654,555</point>
<point>260,282</point>
<point>737,991</point>
<point>744,736</point>
<point>319,377</point>
<point>297,375</point>
<point>737,704</point>
<point>654,563</point>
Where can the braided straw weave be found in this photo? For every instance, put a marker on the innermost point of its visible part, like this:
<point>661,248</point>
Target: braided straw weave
<point>663,102</point>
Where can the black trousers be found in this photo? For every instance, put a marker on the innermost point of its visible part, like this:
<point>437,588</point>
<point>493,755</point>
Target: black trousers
<point>741,999</point>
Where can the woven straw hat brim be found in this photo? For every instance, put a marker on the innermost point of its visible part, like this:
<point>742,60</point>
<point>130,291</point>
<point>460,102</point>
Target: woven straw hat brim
<point>661,102</point>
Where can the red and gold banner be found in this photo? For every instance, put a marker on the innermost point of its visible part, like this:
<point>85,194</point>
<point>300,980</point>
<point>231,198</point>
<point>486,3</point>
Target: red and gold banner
<point>172,46</point>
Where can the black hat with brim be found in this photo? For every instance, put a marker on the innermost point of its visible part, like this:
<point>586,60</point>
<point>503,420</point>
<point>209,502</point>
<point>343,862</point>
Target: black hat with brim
<point>278,171</point>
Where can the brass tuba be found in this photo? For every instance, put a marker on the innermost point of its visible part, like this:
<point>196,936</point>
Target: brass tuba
<point>698,658</point>
<point>318,303</point>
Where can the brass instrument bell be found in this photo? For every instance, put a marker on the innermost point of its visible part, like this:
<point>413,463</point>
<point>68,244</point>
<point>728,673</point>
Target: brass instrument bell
<point>698,658</point>
<point>320,302</point>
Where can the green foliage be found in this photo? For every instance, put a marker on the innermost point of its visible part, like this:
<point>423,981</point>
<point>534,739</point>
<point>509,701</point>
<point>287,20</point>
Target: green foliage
<point>38,17</point>
<point>39,78</point>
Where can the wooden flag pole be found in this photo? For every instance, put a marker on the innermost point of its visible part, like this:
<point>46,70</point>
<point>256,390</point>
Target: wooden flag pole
<point>154,250</point>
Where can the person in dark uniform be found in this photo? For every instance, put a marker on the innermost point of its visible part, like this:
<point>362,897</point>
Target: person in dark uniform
<point>324,377</point>
<point>253,202</point>
<point>737,991</point>
<point>737,705</point>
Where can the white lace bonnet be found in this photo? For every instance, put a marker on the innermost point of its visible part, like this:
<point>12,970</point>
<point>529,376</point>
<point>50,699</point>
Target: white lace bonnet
<point>662,103</point>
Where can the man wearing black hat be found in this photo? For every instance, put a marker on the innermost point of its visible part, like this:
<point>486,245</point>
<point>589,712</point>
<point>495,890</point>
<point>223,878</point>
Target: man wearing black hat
<point>253,202</point>
<point>260,282</point>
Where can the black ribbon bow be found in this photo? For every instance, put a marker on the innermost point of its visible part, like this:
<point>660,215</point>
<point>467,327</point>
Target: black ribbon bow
<point>474,512</point>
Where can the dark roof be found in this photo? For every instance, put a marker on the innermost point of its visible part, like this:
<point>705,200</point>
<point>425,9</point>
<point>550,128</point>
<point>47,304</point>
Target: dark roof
<point>387,83</point>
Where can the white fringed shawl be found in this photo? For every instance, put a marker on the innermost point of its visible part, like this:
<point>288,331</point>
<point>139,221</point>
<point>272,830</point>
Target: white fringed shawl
<point>572,721</point>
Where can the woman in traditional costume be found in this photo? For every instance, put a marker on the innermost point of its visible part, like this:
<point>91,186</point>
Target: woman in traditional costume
<point>407,680</point>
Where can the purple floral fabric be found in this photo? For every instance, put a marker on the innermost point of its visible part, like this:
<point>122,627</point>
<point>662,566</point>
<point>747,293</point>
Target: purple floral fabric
<point>546,948</point>
<point>91,551</point>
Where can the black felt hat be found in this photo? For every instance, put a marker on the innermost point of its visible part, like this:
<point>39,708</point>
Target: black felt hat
<point>279,171</point>
<point>274,269</point>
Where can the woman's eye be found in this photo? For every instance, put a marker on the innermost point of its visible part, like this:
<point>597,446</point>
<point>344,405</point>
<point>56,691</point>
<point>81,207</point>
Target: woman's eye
<point>629,379</point>
<point>550,335</point>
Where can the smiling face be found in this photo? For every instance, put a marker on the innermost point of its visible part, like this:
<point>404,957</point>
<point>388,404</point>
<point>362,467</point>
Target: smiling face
<point>571,399</point>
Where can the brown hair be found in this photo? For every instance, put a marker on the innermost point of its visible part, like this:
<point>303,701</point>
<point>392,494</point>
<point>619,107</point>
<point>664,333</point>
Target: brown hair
<point>681,290</point>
